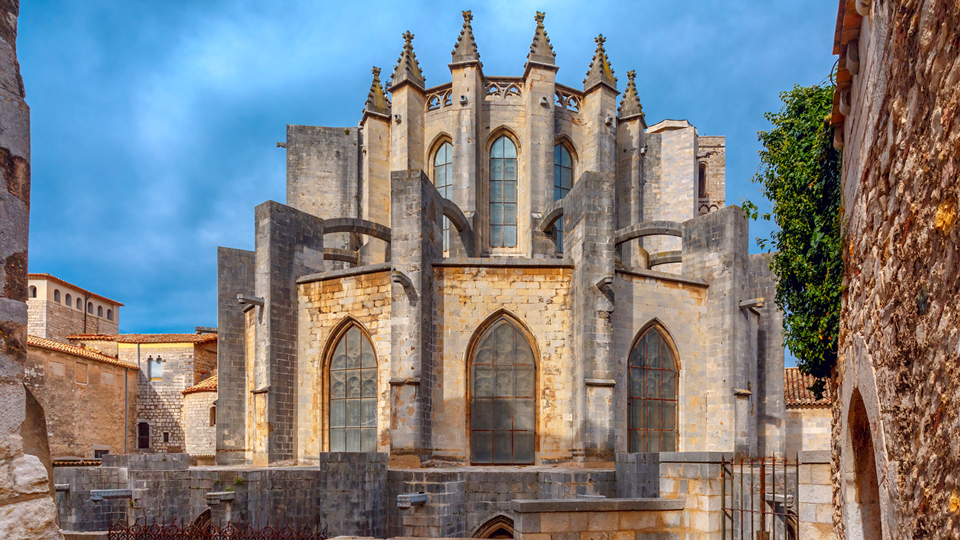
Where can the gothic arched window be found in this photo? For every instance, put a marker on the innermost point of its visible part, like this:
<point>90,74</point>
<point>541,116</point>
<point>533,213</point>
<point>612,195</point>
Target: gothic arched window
<point>502,392</point>
<point>443,180</point>
<point>562,182</point>
<point>352,386</point>
<point>503,193</point>
<point>652,413</point>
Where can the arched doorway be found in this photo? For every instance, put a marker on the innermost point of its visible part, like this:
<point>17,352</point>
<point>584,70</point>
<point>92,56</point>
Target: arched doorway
<point>499,526</point>
<point>863,508</point>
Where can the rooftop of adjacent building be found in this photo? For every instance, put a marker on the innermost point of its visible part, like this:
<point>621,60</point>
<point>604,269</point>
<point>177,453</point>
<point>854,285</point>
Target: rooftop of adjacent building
<point>49,344</point>
<point>207,385</point>
<point>65,283</point>
<point>796,390</point>
<point>195,339</point>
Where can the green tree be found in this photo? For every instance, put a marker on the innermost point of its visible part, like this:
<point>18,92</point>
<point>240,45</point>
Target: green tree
<point>800,174</point>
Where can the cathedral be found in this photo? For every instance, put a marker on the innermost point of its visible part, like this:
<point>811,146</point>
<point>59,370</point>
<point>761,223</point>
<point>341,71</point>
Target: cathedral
<point>498,270</point>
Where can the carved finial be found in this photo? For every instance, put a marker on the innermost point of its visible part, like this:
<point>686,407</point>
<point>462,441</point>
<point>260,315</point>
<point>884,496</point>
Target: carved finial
<point>407,68</point>
<point>541,52</point>
<point>600,71</point>
<point>630,104</point>
<point>465,49</point>
<point>377,102</point>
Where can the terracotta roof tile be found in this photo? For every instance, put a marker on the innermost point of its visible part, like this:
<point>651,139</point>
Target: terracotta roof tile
<point>196,339</point>
<point>796,389</point>
<point>207,385</point>
<point>49,344</point>
<point>68,284</point>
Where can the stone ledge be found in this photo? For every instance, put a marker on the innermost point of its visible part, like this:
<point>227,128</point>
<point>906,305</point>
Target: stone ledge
<point>503,262</point>
<point>694,457</point>
<point>653,274</point>
<point>345,272</point>
<point>595,505</point>
<point>813,457</point>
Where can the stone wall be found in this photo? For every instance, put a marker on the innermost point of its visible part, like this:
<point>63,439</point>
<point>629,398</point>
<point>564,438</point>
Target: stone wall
<point>84,402</point>
<point>159,403</point>
<point>808,429</point>
<point>200,435</point>
<point>56,321</point>
<point>27,507</point>
<point>712,154</point>
<point>344,491</point>
<point>614,519</point>
<point>461,500</point>
<point>360,296</point>
<point>897,412</point>
<point>815,492</point>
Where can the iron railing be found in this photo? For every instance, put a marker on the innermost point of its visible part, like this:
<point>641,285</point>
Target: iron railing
<point>157,531</point>
<point>759,498</point>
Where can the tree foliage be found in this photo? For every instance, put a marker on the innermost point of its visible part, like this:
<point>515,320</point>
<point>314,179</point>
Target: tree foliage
<point>800,174</point>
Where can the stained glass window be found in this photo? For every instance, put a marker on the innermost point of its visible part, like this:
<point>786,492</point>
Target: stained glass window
<point>562,182</point>
<point>652,411</point>
<point>443,180</point>
<point>502,419</point>
<point>353,394</point>
<point>503,193</point>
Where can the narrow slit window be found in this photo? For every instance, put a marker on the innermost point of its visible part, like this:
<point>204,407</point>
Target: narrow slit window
<point>443,180</point>
<point>503,193</point>
<point>562,182</point>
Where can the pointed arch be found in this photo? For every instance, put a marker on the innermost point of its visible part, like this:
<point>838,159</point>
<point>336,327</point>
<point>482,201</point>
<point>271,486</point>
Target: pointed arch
<point>653,381</point>
<point>440,162</point>
<point>501,131</point>
<point>503,183</point>
<point>503,391</point>
<point>499,526</point>
<point>350,389</point>
<point>863,509</point>
<point>567,142</point>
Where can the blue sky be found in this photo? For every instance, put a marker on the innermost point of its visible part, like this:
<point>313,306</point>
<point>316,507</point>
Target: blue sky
<point>155,124</point>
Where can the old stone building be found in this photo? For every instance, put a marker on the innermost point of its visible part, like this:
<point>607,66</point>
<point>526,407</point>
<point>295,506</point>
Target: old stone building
<point>58,309</point>
<point>808,418</point>
<point>90,399</point>
<point>897,408</point>
<point>499,270</point>
<point>199,420</point>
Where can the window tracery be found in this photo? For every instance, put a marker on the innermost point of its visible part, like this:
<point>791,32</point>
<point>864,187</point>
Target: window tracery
<point>652,410</point>
<point>352,391</point>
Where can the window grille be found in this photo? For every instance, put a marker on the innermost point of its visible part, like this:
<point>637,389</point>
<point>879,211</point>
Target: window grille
<point>652,414</point>
<point>503,193</point>
<point>353,394</point>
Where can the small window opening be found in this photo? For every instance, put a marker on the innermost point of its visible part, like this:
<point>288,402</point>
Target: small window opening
<point>213,415</point>
<point>166,436</point>
<point>99,311</point>
<point>33,291</point>
<point>69,300</point>
<point>702,191</point>
<point>90,308</point>
<point>155,368</point>
<point>98,454</point>
<point>109,314</point>
<point>56,295</point>
<point>80,304</point>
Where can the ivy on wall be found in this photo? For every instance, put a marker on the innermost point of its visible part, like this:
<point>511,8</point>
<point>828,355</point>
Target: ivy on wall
<point>800,174</point>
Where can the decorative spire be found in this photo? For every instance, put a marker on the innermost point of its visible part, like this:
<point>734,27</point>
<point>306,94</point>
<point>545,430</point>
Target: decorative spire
<point>541,52</point>
<point>630,104</point>
<point>377,102</point>
<point>600,71</point>
<point>466,48</point>
<point>407,68</point>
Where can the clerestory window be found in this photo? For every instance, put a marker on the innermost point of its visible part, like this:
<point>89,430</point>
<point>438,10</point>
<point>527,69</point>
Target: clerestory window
<point>503,193</point>
<point>652,412</point>
<point>562,182</point>
<point>352,387</point>
<point>443,180</point>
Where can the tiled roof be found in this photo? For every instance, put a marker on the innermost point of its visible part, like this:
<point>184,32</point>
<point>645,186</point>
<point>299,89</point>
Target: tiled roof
<point>796,389</point>
<point>68,284</point>
<point>196,339</point>
<point>207,385</point>
<point>43,343</point>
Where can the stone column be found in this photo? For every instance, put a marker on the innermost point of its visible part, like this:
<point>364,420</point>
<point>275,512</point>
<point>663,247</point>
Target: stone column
<point>467,147</point>
<point>629,187</point>
<point>536,152</point>
<point>417,240</point>
<point>27,507</point>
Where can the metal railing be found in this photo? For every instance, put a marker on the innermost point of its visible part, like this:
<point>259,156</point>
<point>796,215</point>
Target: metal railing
<point>156,531</point>
<point>759,498</point>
